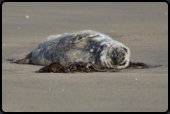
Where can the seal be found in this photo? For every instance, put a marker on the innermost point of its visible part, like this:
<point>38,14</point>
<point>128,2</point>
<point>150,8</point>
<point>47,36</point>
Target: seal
<point>87,45</point>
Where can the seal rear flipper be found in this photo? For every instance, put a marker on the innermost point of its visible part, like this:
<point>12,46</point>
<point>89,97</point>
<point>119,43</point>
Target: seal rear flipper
<point>19,61</point>
<point>22,61</point>
<point>26,60</point>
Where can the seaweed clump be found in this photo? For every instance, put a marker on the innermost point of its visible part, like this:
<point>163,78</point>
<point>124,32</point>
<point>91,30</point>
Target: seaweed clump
<point>87,67</point>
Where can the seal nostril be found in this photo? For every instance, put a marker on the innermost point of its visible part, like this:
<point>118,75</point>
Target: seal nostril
<point>115,61</point>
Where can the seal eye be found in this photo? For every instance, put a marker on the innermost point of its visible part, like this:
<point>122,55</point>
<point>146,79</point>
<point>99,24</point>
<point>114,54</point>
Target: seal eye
<point>125,49</point>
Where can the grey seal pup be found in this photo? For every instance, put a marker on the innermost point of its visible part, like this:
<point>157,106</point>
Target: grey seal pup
<point>87,45</point>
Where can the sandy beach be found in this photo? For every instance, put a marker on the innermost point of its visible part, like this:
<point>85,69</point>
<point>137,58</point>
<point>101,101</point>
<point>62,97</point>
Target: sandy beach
<point>143,27</point>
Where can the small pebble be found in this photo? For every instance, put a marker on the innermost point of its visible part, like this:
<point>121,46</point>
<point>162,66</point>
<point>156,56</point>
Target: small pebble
<point>165,13</point>
<point>19,28</point>
<point>111,31</point>
<point>27,16</point>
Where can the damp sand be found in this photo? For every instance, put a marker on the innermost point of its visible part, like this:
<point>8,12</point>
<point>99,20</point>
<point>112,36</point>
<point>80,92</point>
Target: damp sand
<point>143,27</point>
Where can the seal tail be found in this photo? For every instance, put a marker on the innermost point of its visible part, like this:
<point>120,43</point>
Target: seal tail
<point>26,60</point>
<point>140,65</point>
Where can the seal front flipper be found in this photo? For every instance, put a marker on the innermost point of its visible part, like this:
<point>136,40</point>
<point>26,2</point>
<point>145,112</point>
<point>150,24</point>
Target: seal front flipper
<point>79,37</point>
<point>140,65</point>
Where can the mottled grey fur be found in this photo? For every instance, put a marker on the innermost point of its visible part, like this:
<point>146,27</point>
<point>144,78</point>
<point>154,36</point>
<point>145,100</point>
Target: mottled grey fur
<point>87,46</point>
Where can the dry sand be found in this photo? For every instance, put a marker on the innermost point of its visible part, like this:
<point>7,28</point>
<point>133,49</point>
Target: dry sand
<point>143,27</point>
